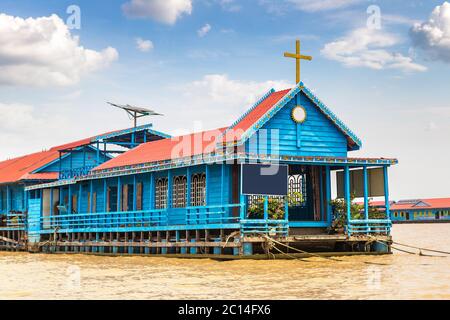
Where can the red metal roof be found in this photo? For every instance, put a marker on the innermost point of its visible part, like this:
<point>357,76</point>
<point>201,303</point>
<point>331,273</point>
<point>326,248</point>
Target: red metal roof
<point>72,145</point>
<point>422,204</point>
<point>166,149</point>
<point>21,168</point>
<point>254,115</point>
<point>17,169</point>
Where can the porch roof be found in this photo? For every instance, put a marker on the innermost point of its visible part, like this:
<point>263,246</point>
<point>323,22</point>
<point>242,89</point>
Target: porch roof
<point>116,136</point>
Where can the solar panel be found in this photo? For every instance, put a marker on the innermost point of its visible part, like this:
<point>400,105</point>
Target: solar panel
<point>408,201</point>
<point>135,112</point>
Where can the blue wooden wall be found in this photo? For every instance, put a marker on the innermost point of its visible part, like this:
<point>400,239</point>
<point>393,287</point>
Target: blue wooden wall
<point>218,192</point>
<point>77,160</point>
<point>319,136</point>
<point>12,197</point>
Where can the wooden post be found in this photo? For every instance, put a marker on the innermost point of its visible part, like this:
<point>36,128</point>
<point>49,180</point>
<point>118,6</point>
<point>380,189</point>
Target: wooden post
<point>188,184</point>
<point>366,194</point>
<point>105,196</point>
<point>386,193</point>
<point>51,203</point>
<point>206,183</point>
<point>151,200</point>
<point>347,193</point>
<point>169,189</point>
<point>242,197</point>
<point>134,194</point>
<point>286,209</point>
<point>266,208</point>
<point>8,200</point>
<point>91,197</point>
<point>222,177</point>
<point>69,209</point>
<point>80,192</point>
<point>322,212</point>
<point>328,193</point>
<point>119,194</point>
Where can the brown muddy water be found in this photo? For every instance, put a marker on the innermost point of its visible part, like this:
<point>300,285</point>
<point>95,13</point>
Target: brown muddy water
<point>397,276</point>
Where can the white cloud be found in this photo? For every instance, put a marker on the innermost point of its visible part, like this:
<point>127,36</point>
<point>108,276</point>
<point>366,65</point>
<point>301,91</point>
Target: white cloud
<point>370,48</point>
<point>397,19</point>
<point>431,126</point>
<point>203,31</point>
<point>433,36</point>
<point>322,5</point>
<point>279,7</point>
<point>218,100</point>
<point>164,11</point>
<point>144,45</point>
<point>42,52</point>
<point>26,130</point>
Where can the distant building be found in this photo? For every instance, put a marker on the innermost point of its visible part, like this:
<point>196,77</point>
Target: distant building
<point>421,210</point>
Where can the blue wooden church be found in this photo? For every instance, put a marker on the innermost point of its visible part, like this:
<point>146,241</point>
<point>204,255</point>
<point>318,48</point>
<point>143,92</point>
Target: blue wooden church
<point>262,183</point>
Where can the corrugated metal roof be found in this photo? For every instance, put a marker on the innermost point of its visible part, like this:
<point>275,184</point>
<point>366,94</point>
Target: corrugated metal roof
<point>17,169</point>
<point>21,168</point>
<point>166,149</point>
<point>259,110</point>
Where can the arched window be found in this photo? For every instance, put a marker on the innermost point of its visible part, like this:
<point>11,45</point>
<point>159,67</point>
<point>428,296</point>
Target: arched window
<point>179,192</point>
<point>198,190</point>
<point>297,188</point>
<point>161,193</point>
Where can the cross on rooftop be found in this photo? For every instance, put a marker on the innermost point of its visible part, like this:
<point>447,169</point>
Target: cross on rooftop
<point>297,56</point>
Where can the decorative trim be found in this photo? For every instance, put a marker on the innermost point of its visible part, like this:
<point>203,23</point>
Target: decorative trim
<point>253,107</point>
<point>288,97</point>
<point>280,104</point>
<point>257,103</point>
<point>216,158</point>
<point>345,129</point>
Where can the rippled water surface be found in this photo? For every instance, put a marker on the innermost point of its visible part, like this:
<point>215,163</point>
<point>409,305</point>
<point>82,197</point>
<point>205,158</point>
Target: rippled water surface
<point>397,276</point>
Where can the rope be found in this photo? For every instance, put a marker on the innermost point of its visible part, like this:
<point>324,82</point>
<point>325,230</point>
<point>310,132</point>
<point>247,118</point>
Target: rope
<point>405,251</point>
<point>231,235</point>
<point>312,254</point>
<point>298,250</point>
<point>44,243</point>
<point>287,254</point>
<point>284,253</point>
<point>266,246</point>
<point>424,249</point>
<point>413,253</point>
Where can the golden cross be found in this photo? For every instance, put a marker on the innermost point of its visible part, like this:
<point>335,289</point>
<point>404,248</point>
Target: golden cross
<point>297,56</point>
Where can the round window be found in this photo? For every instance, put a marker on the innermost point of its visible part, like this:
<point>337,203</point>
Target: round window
<point>299,114</point>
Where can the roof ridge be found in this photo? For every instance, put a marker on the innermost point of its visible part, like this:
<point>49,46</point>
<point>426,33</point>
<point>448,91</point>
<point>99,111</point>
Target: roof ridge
<point>48,155</point>
<point>15,159</point>
<point>300,87</point>
<point>257,103</point>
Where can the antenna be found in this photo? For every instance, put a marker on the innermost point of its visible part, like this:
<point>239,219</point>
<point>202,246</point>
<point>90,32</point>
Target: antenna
<point>136,112</point>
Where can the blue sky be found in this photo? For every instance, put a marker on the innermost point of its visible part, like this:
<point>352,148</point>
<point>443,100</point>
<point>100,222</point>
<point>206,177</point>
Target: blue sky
<point>388,84</point>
